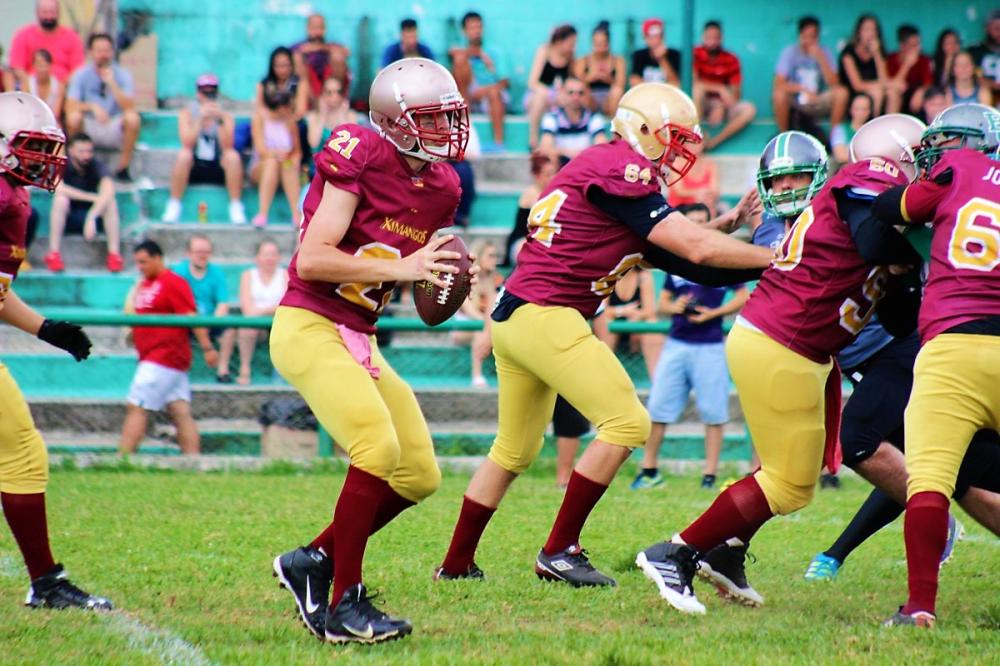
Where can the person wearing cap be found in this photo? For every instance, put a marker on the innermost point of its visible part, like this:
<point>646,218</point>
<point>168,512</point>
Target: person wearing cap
<point>207,155</point>
<point>655,63</point>
<point>987,55</point>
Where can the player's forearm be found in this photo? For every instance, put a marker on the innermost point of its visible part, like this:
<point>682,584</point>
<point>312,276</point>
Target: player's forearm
<point>19,314</point>
<point>333,265</point>
<point>706,247</point>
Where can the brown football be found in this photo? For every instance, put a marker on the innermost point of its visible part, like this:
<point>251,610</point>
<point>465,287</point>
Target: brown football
<point>434,304</point>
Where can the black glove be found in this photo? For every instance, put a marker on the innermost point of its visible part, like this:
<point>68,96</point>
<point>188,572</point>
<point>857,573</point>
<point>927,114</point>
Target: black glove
<point>66,336</point>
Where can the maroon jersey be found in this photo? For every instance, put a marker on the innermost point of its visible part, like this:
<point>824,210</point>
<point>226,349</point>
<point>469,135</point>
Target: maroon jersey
<point>964,279</point>
<point>819,293</point>
<point>575,252</point>
<point>15,209</point>
<point>398,211</point>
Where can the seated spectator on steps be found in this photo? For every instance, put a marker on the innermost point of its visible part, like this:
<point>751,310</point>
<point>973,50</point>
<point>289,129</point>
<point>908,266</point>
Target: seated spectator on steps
<point>909,68</point>
<point>62,42</point>
<point>408,46</point>
<point>84,203</point>
<point>207,155</point>
<point>863,68</point>
<point>805,82</point>
<point>859,113</point>
<point>317,60</point>
<point>963,82</point>
<point>656,63</point>
<point>211,295</point>
<point>552,65</point>
<point>45,86</point>
<point>481,78</point>
<point>277,155</point>
<point>331,110</point>
<point>100,101</point>
<point>571,127</point>
<point>602,71</point>
<point>717,87</point>
<point>261,289</point>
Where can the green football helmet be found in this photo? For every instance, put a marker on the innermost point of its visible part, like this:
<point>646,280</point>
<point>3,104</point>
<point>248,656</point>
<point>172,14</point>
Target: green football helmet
<point>976,126</point>
<point>791,153</point>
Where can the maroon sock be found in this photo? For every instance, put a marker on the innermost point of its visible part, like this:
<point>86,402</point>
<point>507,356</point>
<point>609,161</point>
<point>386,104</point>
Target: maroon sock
<point>472,520</point>
<point>325,540</point>
<point>925,530</point>
<point>739,511</point>
<point>392,505</point>
<point>26,516</point>
<point>352,523</point>
<point>581,497</point>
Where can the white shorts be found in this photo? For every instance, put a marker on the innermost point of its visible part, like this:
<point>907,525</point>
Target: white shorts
<point>155,386</point>
<point>107,135</point>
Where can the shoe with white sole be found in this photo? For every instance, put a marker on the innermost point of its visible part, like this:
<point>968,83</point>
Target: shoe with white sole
<point>672,567</point>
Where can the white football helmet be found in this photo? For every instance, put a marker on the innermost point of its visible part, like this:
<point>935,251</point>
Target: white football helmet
<point>894,137</point>
<point>31,143</point>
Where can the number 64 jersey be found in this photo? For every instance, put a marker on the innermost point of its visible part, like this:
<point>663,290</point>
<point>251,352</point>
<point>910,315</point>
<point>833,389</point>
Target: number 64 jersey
<point>398,212</point>
<point>819,292</point>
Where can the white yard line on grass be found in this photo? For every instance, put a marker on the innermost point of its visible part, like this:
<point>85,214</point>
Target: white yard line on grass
<point>166,647</point>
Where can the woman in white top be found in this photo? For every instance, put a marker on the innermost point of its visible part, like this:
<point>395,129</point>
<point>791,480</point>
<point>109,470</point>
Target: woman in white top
<point>43,85</point>
<point>261,289</point>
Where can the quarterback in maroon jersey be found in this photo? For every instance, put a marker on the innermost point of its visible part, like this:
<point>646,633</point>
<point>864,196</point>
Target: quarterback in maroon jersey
<point>31,145</point>
<point>600,217</point>
<point>370,215</point>
<point>817,295</point>
<point>956,378</point>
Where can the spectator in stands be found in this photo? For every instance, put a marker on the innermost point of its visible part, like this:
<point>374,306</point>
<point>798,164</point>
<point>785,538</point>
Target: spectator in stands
<point>805,81</point>
<point>910,68</point>
<point>860,112</point>
<point>656,62</point>
<point>987,54</point>
<point>7,81</point>
<point>571,127</point>
<point>408,46</point>
<point>602,71</point>
<point>42,84</point>
<point>84,203</point>
<point>211,295</point>
<point>550,68</point>
<point>161,378</point>
<point>948,45</point>
<point>62,42</point>
<point>936,100</point>
<point>331,111</point>
<point>277,154</point>
<point>207,154</point>
<point>699,185</point>
<point>633,300</point>
<point>283,83</point>
<point>963,82</point>
<point>261,289</point>
<point>317,60</point>
<point>100,102</point>
<point>481,77</point>
<point>694,357</point>
<point>717,87</point>
<point>863,70</point>
<point>543,169</point>
<point>477,307</point>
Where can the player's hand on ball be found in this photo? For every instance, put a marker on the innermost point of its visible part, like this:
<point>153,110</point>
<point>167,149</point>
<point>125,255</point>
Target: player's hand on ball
<point>67,336</point>
<point>426,263</point>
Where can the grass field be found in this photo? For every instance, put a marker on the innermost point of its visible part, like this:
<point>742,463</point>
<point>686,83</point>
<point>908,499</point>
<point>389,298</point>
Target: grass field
<point>186,557</point>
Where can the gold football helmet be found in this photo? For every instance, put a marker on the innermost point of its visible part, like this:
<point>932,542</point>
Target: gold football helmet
<point>658,121</point>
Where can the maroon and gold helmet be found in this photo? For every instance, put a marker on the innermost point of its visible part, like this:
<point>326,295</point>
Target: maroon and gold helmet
<point>31,143</point>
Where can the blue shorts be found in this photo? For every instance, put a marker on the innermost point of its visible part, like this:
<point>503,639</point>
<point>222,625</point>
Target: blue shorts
<point>684,367</point>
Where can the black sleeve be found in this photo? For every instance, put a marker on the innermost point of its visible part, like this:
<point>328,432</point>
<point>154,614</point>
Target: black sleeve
<point>674,60</point>
<point>639,215</point>
<point>899,307</point>
<point>704,275</point>
<point>886,206</point>
<point>877,241</point>
<point>637,62</point>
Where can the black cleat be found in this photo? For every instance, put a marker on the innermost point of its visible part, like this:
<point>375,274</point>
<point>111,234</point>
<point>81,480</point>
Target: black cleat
<point>921,619</point>
<point>356,620</point>
<point>53,590</point>
<point>571,566</point>
<point>724,567</point>
<point>829,481</point>
<point>472,573</point>
<point>672,567</point>
<point>307,573</point>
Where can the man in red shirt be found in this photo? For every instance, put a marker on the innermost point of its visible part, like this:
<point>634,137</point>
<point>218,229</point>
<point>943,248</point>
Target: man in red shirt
<point>63,43</point>
<point>910,67</point>
<point>717,83</point>
<point>161,378</point>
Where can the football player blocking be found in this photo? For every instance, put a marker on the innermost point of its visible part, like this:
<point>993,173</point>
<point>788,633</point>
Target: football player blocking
<point>31,146</point>
<point>542,341</point>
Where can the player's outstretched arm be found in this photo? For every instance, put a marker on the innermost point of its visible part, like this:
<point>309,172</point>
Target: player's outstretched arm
<point>320,260</point>
<point>62,334</point>
<point>693,242</point>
